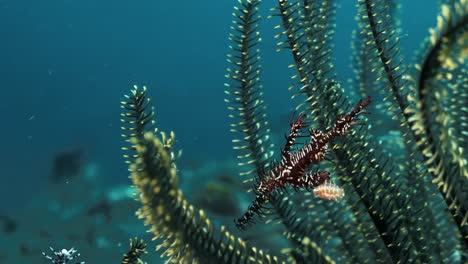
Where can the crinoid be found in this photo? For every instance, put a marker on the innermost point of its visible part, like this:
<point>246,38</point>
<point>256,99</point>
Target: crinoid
<point>293,168</point>
<point>406,191</point>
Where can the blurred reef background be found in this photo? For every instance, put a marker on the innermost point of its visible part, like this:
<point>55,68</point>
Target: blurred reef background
<point>64,68</point>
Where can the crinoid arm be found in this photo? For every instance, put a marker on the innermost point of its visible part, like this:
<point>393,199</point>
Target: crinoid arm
<point>137,249</point>
<point>187,234</point>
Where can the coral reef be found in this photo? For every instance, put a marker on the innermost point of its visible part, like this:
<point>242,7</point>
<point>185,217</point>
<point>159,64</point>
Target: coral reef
<point>404,204</point>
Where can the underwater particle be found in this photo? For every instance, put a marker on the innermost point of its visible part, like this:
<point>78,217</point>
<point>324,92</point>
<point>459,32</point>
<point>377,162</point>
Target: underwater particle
<point>63,256</point>
<point>329,191</point>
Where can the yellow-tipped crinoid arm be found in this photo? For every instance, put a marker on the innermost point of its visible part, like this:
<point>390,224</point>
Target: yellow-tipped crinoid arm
<point>187,235</point>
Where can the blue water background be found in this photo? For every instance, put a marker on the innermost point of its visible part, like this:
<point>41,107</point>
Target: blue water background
<point>65,66</point>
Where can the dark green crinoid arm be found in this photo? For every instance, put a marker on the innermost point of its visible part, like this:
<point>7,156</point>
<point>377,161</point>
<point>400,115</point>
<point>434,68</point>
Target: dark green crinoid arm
<point>137,249</point>
<point>439,116</point>
<point>186,234</point>
<point>380,36</point>
<point>380,43</point>
<point>392,211</point>
<point>308,30</point>
<point>431,127</point>
<point>386,214</point>
<point>245,99</point>
<point>137,118</point>
<point>244,93</point>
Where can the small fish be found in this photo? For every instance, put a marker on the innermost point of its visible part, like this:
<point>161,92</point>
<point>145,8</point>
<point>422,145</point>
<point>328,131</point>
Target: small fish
<point>329,191</point>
